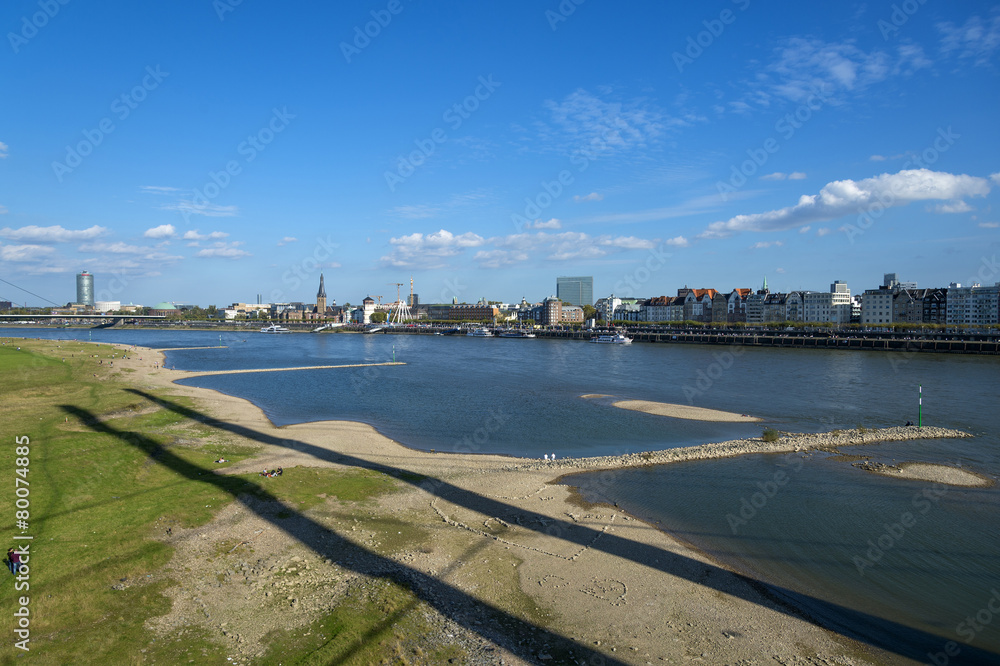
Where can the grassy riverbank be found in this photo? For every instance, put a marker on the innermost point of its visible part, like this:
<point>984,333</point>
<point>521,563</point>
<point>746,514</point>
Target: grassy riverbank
<point>146,550</point>
<point>109,474</point>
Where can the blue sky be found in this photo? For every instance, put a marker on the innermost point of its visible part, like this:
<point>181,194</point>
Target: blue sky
<point>206,152</point>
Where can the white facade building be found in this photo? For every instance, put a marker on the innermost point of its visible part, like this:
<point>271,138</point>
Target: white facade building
<point>876,306</point>
<point>828,307</point>
<point>975,305</point>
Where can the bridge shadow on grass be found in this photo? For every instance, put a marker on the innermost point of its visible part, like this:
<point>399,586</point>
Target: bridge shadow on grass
<point>521,637</point>
<point>877,632</point>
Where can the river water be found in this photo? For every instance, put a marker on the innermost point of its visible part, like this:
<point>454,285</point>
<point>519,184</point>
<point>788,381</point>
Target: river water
<point>901,564</point>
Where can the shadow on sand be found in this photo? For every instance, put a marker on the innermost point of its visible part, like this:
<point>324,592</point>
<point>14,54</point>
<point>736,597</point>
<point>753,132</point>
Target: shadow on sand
<point>522,638</point>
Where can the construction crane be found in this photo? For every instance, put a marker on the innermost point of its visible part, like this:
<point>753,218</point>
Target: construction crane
<point>402,312</point>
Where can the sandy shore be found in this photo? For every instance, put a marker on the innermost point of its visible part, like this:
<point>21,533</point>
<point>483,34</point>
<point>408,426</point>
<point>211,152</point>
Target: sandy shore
<point>612,584</point>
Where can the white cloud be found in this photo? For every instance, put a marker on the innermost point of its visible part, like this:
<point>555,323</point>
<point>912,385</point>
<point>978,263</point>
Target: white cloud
<point>823,231</point>
<point>196,236</point>
<point>989,225</point>
<point>778,175</point>
<point>162,231</point>
<point>975,39</point>
<point>765,244</point>
<point>227,250</point>
<point>574,245</point>
<point>433,250</point>
<point>115,248</point>
<point>911,58</point>
<point>847,197</point>
<point>499,258</point>
<point>53,234</point>
<point>3,150</point>
<point>429,251</point>
<point>538,224</point>
<point>804,230</point>
<point>286,240</point>
<point>158,189</point>
<point>593,196</point>
<point>805,67</point>
<point>584,121</point>
<point>995,177</point>
<point>954,207</point>
<point>779,270</point>
<point>22,253</point>
<point>877,158</point>
<point>626,242</point>
<point>187,207</point>
<point>148,254</point>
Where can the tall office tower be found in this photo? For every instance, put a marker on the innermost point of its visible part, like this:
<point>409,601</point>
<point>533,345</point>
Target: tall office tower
<point>85,288</point>
<point>575,290</point>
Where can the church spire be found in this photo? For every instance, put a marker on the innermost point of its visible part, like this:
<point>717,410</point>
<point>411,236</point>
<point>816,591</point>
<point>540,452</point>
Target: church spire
<point>322,290</point>
<point>764,288</point>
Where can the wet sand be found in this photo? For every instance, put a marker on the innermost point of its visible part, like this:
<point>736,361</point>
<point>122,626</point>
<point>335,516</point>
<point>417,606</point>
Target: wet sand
<point>935,473</point>
<point>684,411</point>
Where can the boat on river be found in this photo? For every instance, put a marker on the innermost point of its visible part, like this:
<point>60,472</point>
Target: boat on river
<point>514,333</point>
<point>481,332</point>
<point>616,339</point>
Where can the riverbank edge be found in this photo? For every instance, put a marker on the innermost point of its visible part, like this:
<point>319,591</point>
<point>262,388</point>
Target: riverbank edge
<point>456,466</point>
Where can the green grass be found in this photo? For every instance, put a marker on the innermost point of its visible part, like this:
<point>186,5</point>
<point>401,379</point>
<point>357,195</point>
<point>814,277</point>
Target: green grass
<point>308,487</point>
<point>377,626</point>
<point>770,435</point>
<point>104,480</point>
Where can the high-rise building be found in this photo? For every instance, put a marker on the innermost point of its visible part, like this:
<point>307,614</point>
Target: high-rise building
<point>575,290</point>
<point>85,288</point>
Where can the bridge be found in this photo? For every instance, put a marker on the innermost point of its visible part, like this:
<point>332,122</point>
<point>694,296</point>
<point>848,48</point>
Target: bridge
<point>115,318</point>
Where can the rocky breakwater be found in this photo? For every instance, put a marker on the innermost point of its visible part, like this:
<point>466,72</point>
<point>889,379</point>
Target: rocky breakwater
<point>784,443</point>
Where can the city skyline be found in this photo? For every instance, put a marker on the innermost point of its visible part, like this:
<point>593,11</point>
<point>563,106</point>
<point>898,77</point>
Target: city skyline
<point>710,147</point>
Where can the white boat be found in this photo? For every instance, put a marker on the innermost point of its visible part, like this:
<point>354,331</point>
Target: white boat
<point>515,334</point>
<point>480,332</point>
<point>616,339</point>
<point>274,328</point>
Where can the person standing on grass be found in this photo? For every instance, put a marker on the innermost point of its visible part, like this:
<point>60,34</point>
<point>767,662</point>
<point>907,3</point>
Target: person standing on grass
<point>14,559</point>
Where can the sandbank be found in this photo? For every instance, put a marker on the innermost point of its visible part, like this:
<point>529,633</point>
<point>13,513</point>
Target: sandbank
<point>684,411</point>
<point>933,472</point>
<point>304,367</point>
<point>579,565</point>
